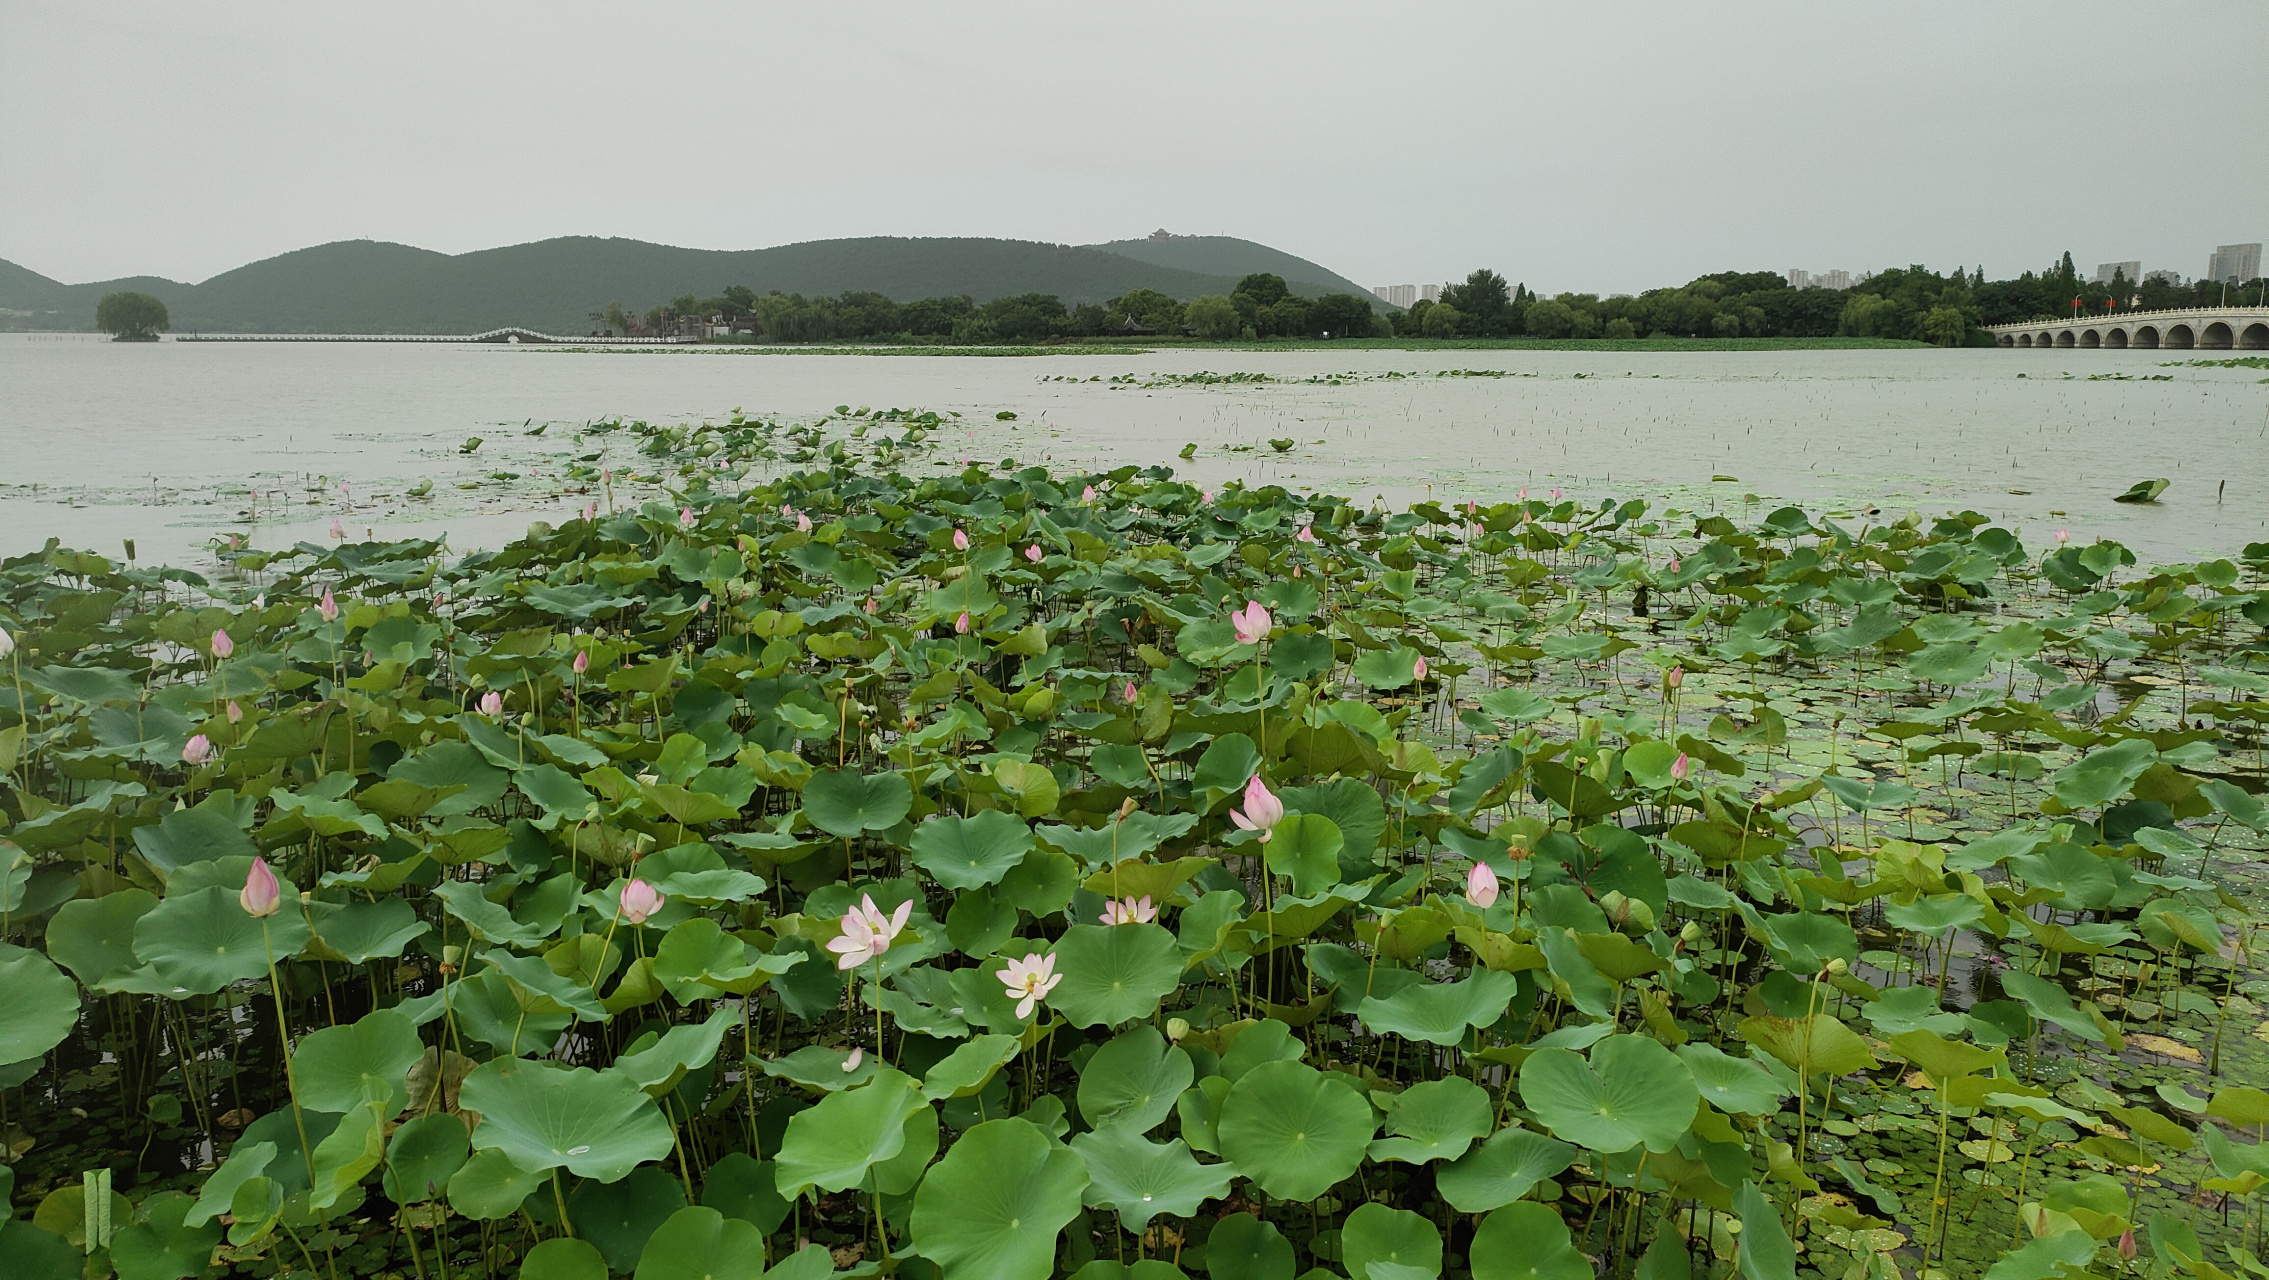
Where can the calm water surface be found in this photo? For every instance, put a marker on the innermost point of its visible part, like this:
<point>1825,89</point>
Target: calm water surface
<point>165,443</point>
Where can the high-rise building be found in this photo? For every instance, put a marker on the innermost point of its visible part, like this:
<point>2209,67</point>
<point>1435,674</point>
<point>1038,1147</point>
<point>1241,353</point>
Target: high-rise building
<point>1398,295</point>
<point>2232,263</point>
<point>1799,278</point>
<point>2132,272</point>
<point>2163,276</point>
<point>1430,292</point>
<point>1833,280</point>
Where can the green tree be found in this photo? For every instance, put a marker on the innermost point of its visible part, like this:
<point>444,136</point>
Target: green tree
<point>1341,315</point>
<point>1263,288</point>
<point>1486,302</point>
<point>1867,315</point>
<point>1441,321</point>
<point>1551,318</point>
<point>131,317</point>
<point>1945,326</point>
<point>1214,317</point>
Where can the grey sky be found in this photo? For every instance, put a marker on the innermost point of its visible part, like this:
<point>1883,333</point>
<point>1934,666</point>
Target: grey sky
<point>1602,147</point>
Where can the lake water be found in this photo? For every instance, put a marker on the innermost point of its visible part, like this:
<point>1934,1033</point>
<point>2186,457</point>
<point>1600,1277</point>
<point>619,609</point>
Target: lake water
<point>164,443</point>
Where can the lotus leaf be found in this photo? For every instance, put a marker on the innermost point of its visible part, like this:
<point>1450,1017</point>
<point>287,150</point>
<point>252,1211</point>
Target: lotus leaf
<point>1112,973</point>
<point>341,1068</point>
<point>422,1156</point>
<point>197,943</point>
<point>1632,1091</point>
<point>1245,1247</point>
<point>1294,1130</point>
<point>1435,1120</point>
<point>563,1258</point>
<point>1525,1241</point>
<point>1133,1081</point>
<point>968,853</point>
<point>991,1209</point>
<point>489,1186</point>
<point>850,804</point>
<point>1378,1243</point>
<point>1442,1013</point>
<point>1502,1170</point>
<point>619,1217</point>
<point>41,1007</point>
<point>597,1124</point>
<point>1142,1179</point>
<point>1732,1084</point>
<point>832,1145</point>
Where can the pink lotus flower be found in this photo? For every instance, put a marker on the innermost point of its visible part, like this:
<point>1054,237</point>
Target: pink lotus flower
<point>1674,564</point>
<point>1087,494</point>
<point>786,511</point>
<point>1680,767</point>
<point>640,900</point>
<point>1131,693</point>
<point>1307,534</point>
<point>1033,553</point>
<point>2063,536</point>
<point>1030,978</point>
<point>852,1059</point>
<point>1262,809</point>
<point>590,511</point>
<point>1128,911</point>
<point>492,704</point>
<point>2127,1245</point>
<point>1205,498</point>
<point>867,932</point>
<point>582,661</point>
<point>1524,493</point>
<point>1481,886</point>
<point>873,606</point>
<point>338,530</point>
<point>235,712</point>
<point>1555,495</point>
<point>222,645</point>
<point>607,476</point>
<point>803,523</point>
<point>1252,624</point>
<point>1471,507</point>
<point>960,540</point>
<point>961,625</point>
<point>261,896</point>
<point>328,606</point>
<point>1674,677</point>
<point>686,518</point>
<point>1419,669</point>
<point>198,750</point>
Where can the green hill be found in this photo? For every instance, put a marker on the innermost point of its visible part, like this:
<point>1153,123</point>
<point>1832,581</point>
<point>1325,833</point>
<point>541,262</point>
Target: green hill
<point>365,286</point>
<point>1232,257</point>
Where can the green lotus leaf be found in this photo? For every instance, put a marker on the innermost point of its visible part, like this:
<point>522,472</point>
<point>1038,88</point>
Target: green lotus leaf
<point>971,852</point>
<point>2103,775</point>
<point>992,1208</point>
<point>199,942</point>
<point>832,1145</point>
<point>41,1007</point>
<point>1295,1130</point>
<point>537,986</point>
<point>1441,1012</point>
<point>1818,1044</point>
<point>618,1217</point>
<point>849,804</point>
<point>348,1154</point>
<point>1735,1085</point>
<point>1435,1120</point>
<point>1806,941</point>
<point>563,1258</point>
<point>1389,668</point>
<point>1934,916</point>
<point>1502,1170</point>
<point>341,1068</point>
<point>1306,846</point>
<point>968,1069</point>
<point>824,1069</point>
<point>1133,1080</point>
<point>361,931</point>
<point>488,920</point>
<point>1141,1179</point>
<point>2049,1002</point>
<point>683,1048</point>
<point>1907,1008</point>
<point>201,833</point>
<point>2062,1253</point>
<point>919,1145</point>
<point>489,1186</point>
<point>94,937</point>
<point>423,1155</point>
<point>1765,1251</point>
<point>1246,1247</point>
<point>1633,1091</point>
<point>1375,1237</point>
<point>246,1161</point>
<point>1112,973</point>
<point>741,1186</point>
<point>597,1124</point>
<point>162,1246</point>
<point>1526,1241</point>
<point>699,1243</point>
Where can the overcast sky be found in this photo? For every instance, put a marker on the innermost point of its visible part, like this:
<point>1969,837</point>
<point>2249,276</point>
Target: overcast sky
<point>1606,147</point>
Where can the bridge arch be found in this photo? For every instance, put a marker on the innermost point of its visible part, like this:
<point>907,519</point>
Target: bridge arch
<point>2255,337</point>
<point>2004,340</point>
<point>2091,339</point>
<point>2116,340</point>
<point>2064,338</point>
<point>2146,337</point>
<point>2044,339</point>
<point>2215,337</point>
<point>2180,338</point>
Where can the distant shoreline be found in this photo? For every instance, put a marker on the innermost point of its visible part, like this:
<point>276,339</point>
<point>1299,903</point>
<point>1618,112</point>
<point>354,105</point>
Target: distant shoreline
<point>1106,347</point>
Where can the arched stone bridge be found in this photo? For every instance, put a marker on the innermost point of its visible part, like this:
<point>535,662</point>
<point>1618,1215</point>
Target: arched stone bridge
<point>2197,328</point>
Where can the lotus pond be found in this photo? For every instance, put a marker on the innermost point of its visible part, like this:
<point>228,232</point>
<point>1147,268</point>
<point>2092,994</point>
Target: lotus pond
<point>791,868</point>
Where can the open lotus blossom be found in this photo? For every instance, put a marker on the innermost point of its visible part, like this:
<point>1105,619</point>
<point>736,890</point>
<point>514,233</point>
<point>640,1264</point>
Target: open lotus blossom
<point>1205,497</point>
<point>1034,553</point>
<point>1262,809</point>
<point>1030,979</point>
<point>1307,534</point>
<point>1087,494</point>
<point>640,900</point>
<point>338,530</point>
<point>198,750</point>
<point>1129,911</point>
<point>235,712</point>
<point>222,645</point>
<point>1252,623</point>
<point>803,523</point>
<point>1419,669</point>
<point>852,1059</point>
<point>867,932</point>
<point>582,661</point>
<point>1481,886</point>
<point>492,703</point>
<point>328,606</point>
<point>261,896</point>
<point>1680,767</point>
<point>960,540</point>
<point>7,643</point>
<point>961,625</point>
<point>2063,536</point>
<point>686,518</point>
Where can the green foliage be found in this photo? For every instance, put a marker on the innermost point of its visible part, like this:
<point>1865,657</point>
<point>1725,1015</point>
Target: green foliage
<point>132,317</point>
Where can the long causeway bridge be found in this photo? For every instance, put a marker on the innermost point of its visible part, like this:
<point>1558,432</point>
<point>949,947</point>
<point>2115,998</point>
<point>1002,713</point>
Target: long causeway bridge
<point>511,335</point>
<point>2195,328</point>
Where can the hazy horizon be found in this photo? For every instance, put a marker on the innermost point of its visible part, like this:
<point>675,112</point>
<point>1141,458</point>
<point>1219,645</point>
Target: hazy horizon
<point>1600,150</point>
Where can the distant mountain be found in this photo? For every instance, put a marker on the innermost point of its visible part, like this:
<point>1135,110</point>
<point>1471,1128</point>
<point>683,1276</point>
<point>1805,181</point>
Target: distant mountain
<point>1231,257</point>
<point>367,286</point>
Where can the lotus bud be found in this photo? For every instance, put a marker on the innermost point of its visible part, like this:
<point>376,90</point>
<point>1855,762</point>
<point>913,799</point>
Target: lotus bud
<point>803,523</point>
<point>222,645</point>
<point>1690,935</point>
<point>1131,693</point>
<point>1126,808</point>
<point>338,530</point>
<point>262,896</point>
<point>1176,1028</point>
<point>1674,564</point>
<point>1033,553</point>
<point>1087,494</point>
<point>198,750</point>
<point>1481,886</point>
<point>492,704</point>
<point>235,712</point>
<point>873,606</point>
<point>1837,964</point>
<point>582,661</point>
<point>1205,498</point>
<point>328,607</point>
<point>640,900</point>
<point>961,625</point>
<point>1680,767</point>
<point>2127,1245</point>
<point>686,518</point>
<point>1420,669</point>
<point>960,540</point>
<point>1555,495</point>
<point>1673,678</point>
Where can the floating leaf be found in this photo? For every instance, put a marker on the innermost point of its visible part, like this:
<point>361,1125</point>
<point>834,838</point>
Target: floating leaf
<point>597,1124</point>
<point>1142,1179</point>
<point>1133,1080</point>
<point>1295,1130</point>
<point>1502,1170</point>
<point>1112,973</point>
<point>1632,1091</point>
<point>992,1208</point>
<point>1526,1241</point>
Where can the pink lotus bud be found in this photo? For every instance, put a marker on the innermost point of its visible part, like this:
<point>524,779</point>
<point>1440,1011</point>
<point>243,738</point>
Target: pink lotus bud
<point>338,530</point>
<point>1674,564</point>
<point>235,712</point>
<point>873,606</point>
<point>222,645</point>
<point>582,661</point>
<point>803,523</point>
<point>786,511</point>
<point>328,606</point>
<point>1307,534</point>
<point>1674,677</point>
<point>607,476</point>
<point>1262,809</point>
<point>1205,498</point>
<point>2063,536</point>
<point>1087,494</point>
<point>1524,493</point>
<point>1132,694</point>
<point>590,511</point>
<point>1033,553</point>
<point>1555,495</point>
<point>262,896</point>
<point>198,750</point>
<point>640,900</point>
<point>1420,669</point>
<point>2127,1245</point>
<point>492,704</point>
<point>1680,767</point>
<point>703,607</point>
<point>960,540</point>
<point>961,625</point>
<point>1481,886</point>
<point>686,518</point>
<point>1472,507</point>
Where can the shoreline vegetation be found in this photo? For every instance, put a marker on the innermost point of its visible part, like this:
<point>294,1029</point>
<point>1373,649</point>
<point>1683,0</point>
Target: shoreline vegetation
<point>1148,346</point>
<point>791,865</point>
